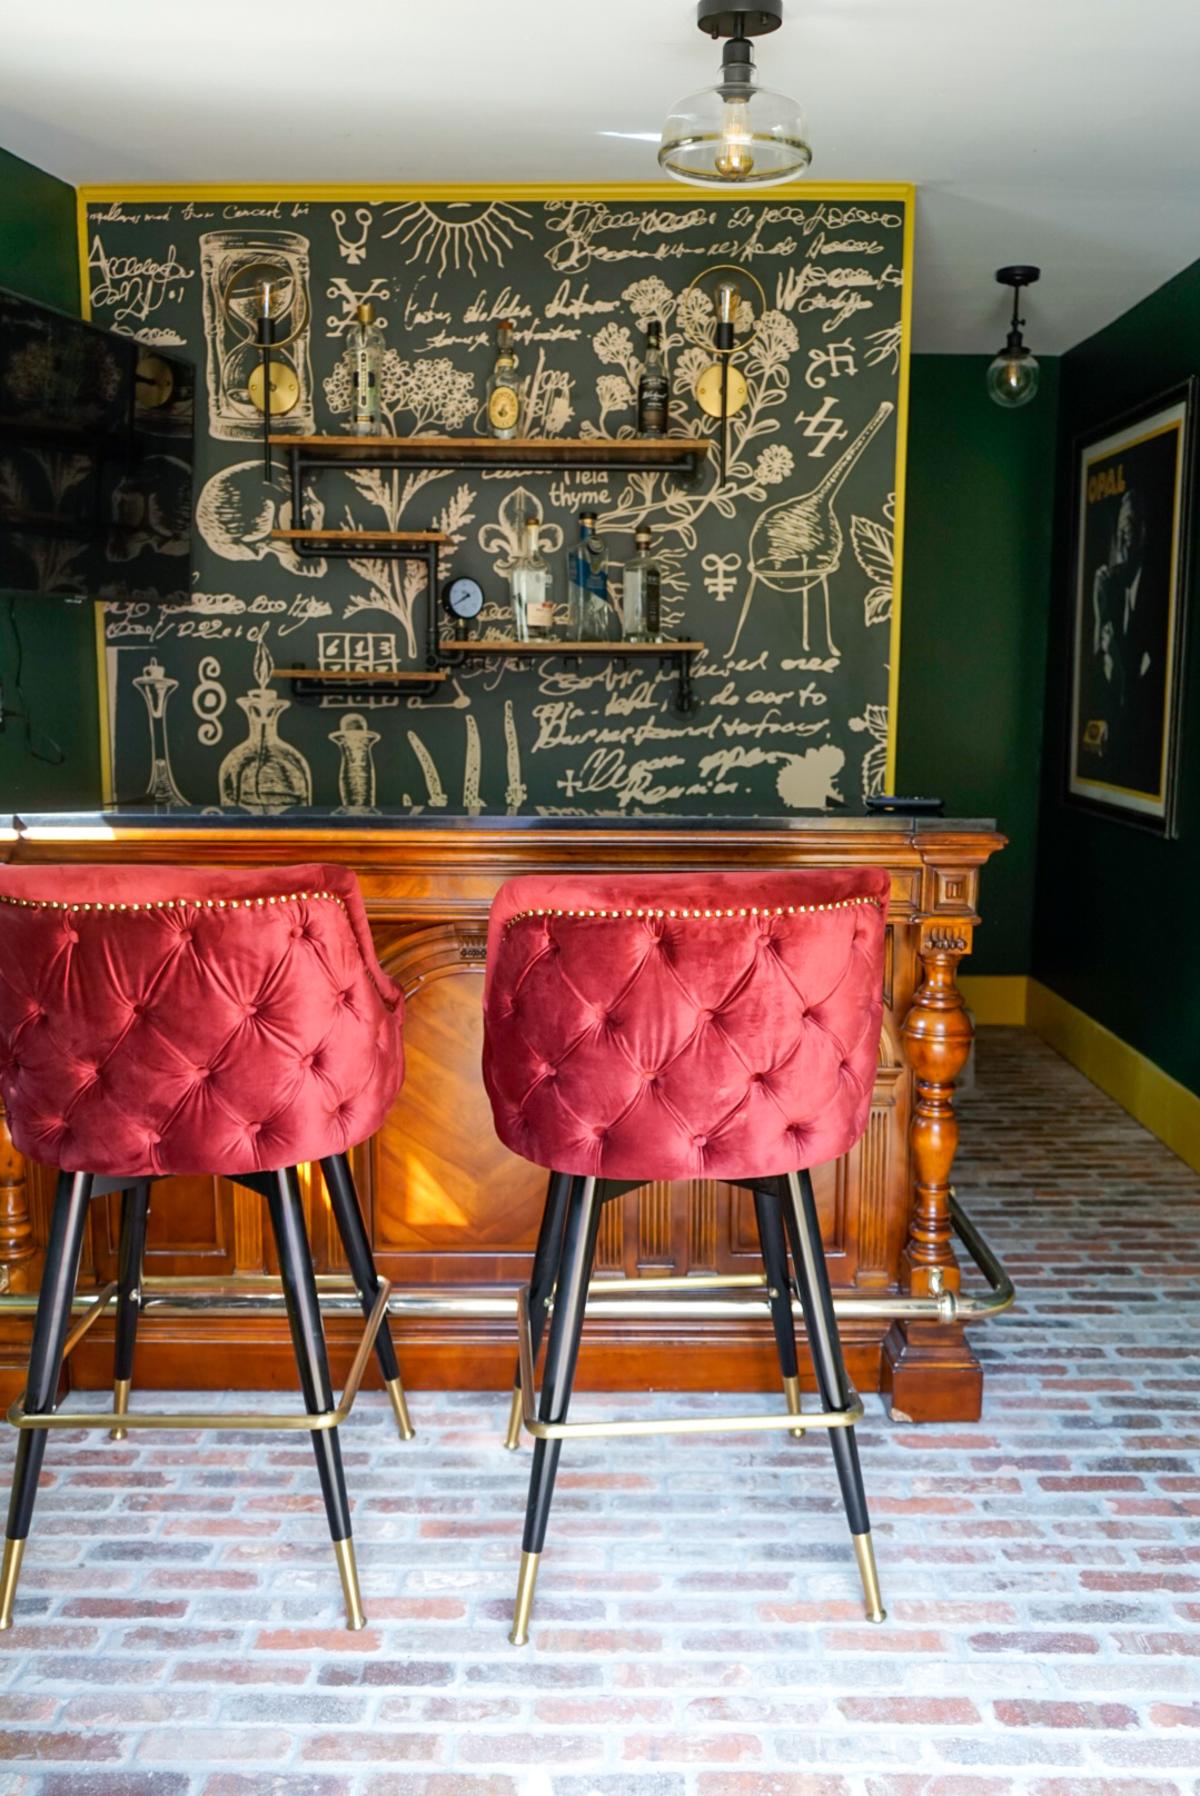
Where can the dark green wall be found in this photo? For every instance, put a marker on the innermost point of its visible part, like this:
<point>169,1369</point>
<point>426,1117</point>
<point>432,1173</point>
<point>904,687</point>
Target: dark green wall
<point>39,257</point>
<point>973,625</point>
<point>1114,930</point>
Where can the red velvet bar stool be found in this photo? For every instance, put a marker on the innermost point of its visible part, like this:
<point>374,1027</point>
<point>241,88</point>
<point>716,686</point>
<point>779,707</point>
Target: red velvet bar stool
<point>158,1021</point>
<point>682,1026</point>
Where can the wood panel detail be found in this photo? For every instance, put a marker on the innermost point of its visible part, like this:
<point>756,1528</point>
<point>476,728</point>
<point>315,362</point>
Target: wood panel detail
<point>447,1205</point>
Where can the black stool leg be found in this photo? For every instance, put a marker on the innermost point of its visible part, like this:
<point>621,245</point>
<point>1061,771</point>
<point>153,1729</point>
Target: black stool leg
<point>546,1256</point>
<point>304,1315</point>
<point>135,1210</point>
<point>45,1362</point>
<point>339,1182</point>
<point>562,1354</point>
<point>769,1217</point>
<point>826,1348</point>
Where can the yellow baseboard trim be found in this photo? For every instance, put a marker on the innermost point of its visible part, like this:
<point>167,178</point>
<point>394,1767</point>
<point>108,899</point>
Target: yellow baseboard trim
<point>996,997</point>
<point>1159,1102</point>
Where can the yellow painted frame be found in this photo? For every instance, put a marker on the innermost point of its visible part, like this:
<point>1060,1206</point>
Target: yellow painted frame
<point>373,193</point>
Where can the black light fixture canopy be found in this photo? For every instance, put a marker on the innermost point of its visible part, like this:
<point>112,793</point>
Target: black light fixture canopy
<point>1012,377</point>
<point>739,21</point>
<point>736,133</point>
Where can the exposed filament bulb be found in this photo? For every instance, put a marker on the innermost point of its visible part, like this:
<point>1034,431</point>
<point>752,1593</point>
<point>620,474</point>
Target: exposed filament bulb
<point>733,160</point>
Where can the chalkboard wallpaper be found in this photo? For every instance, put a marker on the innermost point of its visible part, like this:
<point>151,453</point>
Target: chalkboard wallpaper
<point>785,570</point>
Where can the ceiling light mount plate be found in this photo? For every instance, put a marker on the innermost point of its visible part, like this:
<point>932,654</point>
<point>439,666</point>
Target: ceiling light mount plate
<point>739,21</point>
<point>1020,274</point>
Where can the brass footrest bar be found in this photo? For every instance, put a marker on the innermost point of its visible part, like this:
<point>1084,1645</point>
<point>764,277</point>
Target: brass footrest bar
<point>647,1298</point>
<point>127,1419</point>
<point>742,1424</point>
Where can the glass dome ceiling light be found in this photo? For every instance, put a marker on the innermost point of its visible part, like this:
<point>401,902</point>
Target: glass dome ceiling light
<point>1012,376</point>
<point>736,134</point>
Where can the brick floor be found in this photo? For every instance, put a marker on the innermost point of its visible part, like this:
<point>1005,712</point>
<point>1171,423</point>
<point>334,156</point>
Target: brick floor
<point>698,1629</point>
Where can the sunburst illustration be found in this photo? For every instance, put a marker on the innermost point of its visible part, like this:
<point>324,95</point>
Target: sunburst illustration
<point>458,232</point>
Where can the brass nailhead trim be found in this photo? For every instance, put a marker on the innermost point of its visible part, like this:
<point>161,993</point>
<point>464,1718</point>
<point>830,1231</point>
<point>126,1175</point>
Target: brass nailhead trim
<point>177,903</point>
<point>752,910</point>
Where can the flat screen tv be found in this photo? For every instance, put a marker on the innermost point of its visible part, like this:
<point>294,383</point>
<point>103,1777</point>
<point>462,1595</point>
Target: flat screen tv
<point>96,460</point>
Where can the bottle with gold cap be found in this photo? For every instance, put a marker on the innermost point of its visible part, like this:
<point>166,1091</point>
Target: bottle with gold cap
<point>364,346</point>
<point>503,391</point>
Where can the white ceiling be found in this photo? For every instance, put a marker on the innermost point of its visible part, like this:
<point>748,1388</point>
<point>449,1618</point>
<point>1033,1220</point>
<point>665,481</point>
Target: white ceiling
<point>1061,132</point>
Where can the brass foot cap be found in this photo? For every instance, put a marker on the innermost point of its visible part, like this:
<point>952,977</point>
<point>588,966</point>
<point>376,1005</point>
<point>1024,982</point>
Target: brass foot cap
<point>400,1409</point>
<point>864,1552</point>
<point>791,1390</point>
<point>526,1581</point>
<point>121,1388</point>
<point>348,1571</point>
<point>512,1439</point>
<point>10,1571</point>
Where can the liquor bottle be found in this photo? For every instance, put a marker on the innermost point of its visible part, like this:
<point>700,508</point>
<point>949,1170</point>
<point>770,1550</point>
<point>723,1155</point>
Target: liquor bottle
<point>503,393</point>
<point>529,582</point>
<point>641,594</point>
<point>364,341</point>
<point>653,387</point>
<point>590,612</point>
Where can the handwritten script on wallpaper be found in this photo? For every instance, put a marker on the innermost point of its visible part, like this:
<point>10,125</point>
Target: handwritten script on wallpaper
<point>785,568</point>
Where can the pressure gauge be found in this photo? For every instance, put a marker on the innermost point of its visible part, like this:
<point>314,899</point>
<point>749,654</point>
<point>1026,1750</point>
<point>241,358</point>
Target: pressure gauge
<point>463,597</point>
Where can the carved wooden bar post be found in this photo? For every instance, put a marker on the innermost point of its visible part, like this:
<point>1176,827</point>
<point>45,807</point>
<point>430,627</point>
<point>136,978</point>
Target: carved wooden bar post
<point>936,1034</point>
<point>17,1247</point>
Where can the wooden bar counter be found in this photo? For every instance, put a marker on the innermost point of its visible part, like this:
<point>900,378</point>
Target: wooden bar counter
<point>448,1206</point>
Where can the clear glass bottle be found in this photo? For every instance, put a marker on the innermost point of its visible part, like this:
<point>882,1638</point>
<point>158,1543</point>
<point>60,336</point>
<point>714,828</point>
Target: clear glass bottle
<point>641,593</point>
<point>364,345</point>
<point>591,616</point>
<point>503,392</point>
<point>529,582</point>
<point>654,389</point>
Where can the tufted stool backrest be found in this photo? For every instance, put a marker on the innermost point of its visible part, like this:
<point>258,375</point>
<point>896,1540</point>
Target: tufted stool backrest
<point>671,1026</point>
<point>165,1020</point>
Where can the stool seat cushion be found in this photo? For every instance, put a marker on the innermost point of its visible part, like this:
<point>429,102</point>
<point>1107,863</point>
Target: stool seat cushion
<point>158,1020</point>
<point>674,1026</point>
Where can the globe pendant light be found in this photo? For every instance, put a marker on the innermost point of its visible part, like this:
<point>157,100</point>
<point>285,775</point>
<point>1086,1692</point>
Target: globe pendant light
<point>736,134</point>
<point>1012,378</point>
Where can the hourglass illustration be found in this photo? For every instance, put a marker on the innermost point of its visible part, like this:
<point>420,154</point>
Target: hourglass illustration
<point>356,776</point>
<point>156,687</point>
<point>248,277</point>
<point>264,774</point>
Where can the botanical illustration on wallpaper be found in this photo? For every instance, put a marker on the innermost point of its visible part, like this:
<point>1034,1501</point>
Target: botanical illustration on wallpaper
<point>784,567</point>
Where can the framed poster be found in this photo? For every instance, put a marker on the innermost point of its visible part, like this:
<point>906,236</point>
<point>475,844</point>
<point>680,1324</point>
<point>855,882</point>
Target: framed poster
<point>1132,498</point>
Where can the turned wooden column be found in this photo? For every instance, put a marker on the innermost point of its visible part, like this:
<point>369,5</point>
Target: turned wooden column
<point>17,1247</point>
<point>936,1034</point>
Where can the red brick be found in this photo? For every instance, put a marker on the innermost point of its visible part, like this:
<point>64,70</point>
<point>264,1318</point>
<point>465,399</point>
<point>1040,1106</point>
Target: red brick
<point>1175,1714</point>
<point>872,1639</point>
<point>317,1640</point>
<point>1066,1714</point>
<point>770,1783</point>
<point>21,1743</point>
<point>531,1749</point>
<point>438,1783</point>
<point>200,1746</point>
<point>692,1748</point>
<point>239,1671</point>
<point>357,1746</point>
<point>1033,1644</point>
<point>107,1608</point>
<point>911,1711</point>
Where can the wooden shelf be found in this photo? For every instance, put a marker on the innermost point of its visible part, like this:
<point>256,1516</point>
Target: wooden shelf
<point>506,645</point>
<point>349,675</point>
<point>658,454</point>
<point>360,536</point>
